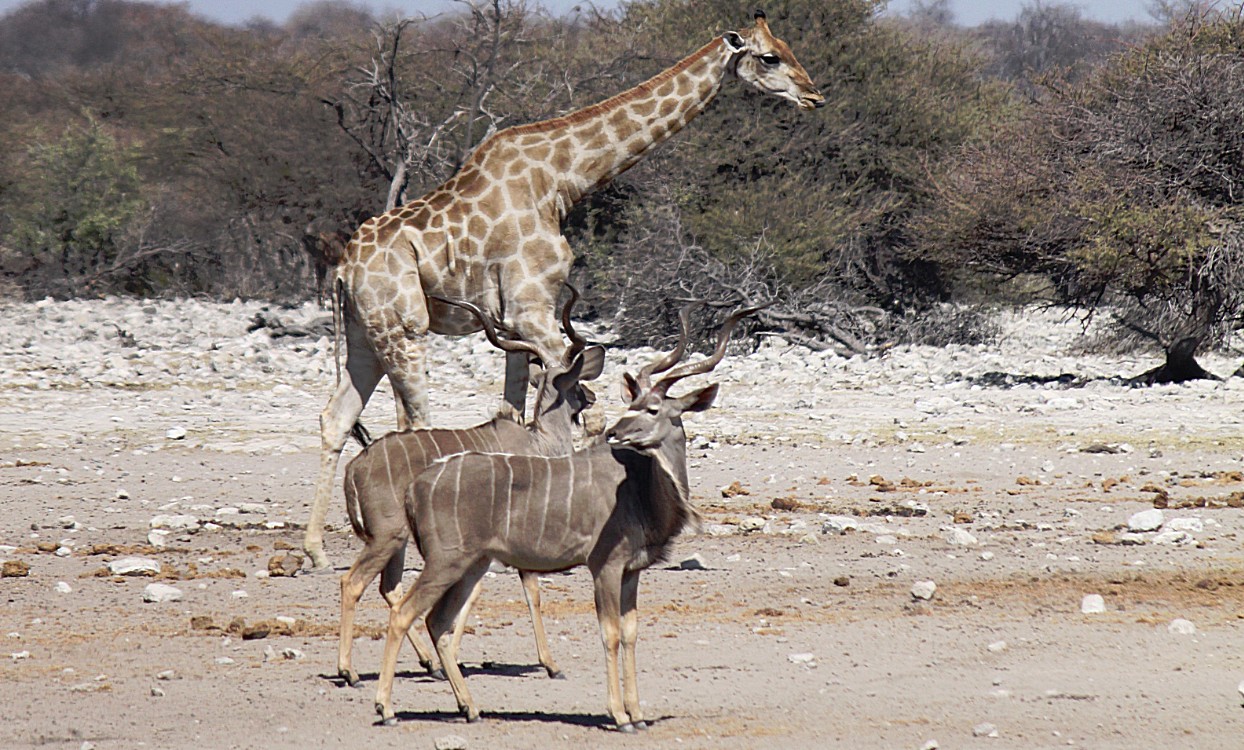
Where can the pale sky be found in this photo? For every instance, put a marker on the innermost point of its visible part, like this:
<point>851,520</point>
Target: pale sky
<point>967,12</point>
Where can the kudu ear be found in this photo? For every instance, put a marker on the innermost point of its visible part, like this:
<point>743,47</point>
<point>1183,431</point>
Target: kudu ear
<point>593,362</point>
<point>697,400</point>
<point>630,388</point>
<point>534,373</point>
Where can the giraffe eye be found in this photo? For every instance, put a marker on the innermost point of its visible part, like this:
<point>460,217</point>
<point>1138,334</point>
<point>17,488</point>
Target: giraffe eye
<point>770,59</point>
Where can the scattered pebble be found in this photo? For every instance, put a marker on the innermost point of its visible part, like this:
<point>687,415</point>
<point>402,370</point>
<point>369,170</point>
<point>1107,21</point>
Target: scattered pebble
<point>63,588</point>
<point>1180,626</point>
<point>14,569</point>
<point>1146,520</point>
<point>984,730</point>
<point>134,566</point>
<point>1092,604</point>
<point>694,562</point>
<point>161,592</point>
<point>451,742</point>
<point>801,658</point>
<point>923,590</point>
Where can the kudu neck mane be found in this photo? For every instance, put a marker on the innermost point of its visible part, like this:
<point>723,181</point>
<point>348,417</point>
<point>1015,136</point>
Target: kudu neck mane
<point>661,508</point>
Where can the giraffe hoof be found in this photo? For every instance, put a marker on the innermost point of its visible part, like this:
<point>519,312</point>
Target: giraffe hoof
<point>387,718</point>
<point>319,560</point>
<point>350,676</point>
<point>626,728</point>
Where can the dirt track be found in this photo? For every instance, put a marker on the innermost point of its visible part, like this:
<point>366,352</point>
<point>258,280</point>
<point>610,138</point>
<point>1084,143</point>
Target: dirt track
<point>763,647</point>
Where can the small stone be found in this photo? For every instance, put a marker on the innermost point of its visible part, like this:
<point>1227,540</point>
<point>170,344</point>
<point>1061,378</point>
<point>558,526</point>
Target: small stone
<point>157,692</point>
<point>959,537</point>
<point>19,655</point>
<point>239,594</point>
<point>451,742</point>
<point>923,590</point>
<point>695,562</point>
<point>161,592</point>
<point>1092,604</point>
<point>842,581</point>
<point>175,522</point>
<point>984,730</point>
<point>997,647</point>
<point>134,566</point>
<point>167,674</point>
<point>1146,520</point>
<point>202,622</point>
<point>158,537</point>
<point>224,660</point>
<point>1172,537</point>
<point>63,551</point>
<point>1190,525</point>
<point>286,565</point>
<point>1180,626</point>
<point>14,569</point>
<point>292,654</point>
<point>930,745</point>
<point>801,658</point>
<point>253,508</point>
<point>752,523</point>
<point>255,632</point>
<point>63,588</point>
<point>987,556</point>
<point>176,433</point>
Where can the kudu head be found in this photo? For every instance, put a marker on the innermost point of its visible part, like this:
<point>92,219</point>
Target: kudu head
<point>767,63</point>
<point>559,382</point>
<point>653,416</point>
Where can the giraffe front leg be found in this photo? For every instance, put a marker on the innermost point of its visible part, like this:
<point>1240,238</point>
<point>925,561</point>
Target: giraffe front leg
<point>359,378</point>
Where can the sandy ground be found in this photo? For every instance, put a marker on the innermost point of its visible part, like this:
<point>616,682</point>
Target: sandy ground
<point>857,478</point>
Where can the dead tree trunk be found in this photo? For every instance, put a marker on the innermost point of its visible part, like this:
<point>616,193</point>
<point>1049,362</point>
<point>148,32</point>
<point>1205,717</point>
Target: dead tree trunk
<point>1180,367</point>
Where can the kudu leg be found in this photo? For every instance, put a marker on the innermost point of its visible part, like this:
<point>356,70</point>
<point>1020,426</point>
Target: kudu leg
<point>438,577</point>
<point>531,588</point>
<point>608,613</point>
<point>630,633</point>
<point>358,380</point>
<point>461,622</point>
<point>448,609</point>
<point>391,590</point>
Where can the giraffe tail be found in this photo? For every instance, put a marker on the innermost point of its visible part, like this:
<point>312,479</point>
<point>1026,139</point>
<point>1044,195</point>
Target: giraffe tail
<point>339,321</point>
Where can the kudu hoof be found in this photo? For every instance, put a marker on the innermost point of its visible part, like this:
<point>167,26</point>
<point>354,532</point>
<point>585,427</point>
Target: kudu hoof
<point>641,725</point>
<point>626,728</point>
<point>436,674</point>
<point>556,674</point>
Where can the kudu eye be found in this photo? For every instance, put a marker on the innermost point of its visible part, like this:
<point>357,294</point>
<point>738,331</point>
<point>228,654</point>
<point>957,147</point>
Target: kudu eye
<point>770,59</point>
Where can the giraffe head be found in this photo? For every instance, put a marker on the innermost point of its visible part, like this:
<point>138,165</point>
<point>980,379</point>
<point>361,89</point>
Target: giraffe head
<point>767,63</point>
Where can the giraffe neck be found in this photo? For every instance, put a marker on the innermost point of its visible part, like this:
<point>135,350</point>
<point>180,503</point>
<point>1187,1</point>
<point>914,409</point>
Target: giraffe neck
<point>600,142</point>
<point>624,128</point>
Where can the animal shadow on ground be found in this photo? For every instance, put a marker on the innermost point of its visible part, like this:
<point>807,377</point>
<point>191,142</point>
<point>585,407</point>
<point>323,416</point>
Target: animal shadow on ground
<point>600,721</point>
<point>487,668</point>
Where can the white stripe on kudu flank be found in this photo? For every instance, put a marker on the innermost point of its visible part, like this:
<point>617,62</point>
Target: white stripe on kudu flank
<point>388,470</point>
<point>548,498</point>
<point>509,493</point>
<point>457,497</point>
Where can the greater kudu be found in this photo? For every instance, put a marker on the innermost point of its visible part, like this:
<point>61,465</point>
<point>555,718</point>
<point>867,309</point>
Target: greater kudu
<point>614,506</point>
<point>377,479</point>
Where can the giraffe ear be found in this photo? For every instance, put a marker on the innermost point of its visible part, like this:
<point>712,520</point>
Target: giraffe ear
<point>733,41</point>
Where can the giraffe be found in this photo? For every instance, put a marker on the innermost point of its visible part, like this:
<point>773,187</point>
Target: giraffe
<point>491,235</point>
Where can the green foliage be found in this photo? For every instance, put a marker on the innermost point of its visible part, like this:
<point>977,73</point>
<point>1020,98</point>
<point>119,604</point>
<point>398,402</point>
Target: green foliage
<point>70,210</point>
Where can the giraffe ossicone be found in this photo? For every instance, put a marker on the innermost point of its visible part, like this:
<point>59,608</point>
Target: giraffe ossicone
<point>491,235</point>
